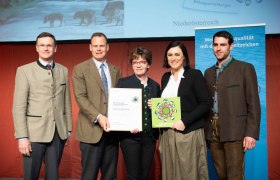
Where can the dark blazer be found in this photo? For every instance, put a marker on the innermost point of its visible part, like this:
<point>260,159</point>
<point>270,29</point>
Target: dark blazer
<point>134,82</point>
<point>90,97</point>
<point>239,104</point>
<point>195,102</point>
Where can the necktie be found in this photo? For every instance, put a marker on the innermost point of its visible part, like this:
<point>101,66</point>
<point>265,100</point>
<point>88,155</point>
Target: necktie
<point>104,80</point>
<point>49,67</point>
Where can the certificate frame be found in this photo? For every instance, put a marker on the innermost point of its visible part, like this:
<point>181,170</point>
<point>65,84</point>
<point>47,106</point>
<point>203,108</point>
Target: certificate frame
<point>125,109</point>
<point>165,111</point>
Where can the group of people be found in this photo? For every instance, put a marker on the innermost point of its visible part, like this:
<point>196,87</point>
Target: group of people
<point>220,110</point>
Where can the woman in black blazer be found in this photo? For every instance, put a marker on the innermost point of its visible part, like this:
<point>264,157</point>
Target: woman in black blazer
<point>138,148</point>
<point>182,147</point>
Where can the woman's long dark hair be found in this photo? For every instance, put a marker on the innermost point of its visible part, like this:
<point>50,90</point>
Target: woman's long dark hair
<point>179,44</point>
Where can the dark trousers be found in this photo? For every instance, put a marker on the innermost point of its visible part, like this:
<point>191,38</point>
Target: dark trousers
<point>51,153</point>
<point>102,155</point>
<point>138,153</point>
<point>228,157</point>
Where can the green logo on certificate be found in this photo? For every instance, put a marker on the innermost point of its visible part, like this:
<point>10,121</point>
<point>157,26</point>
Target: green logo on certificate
<point>135,99</point>
<point>165,111</point>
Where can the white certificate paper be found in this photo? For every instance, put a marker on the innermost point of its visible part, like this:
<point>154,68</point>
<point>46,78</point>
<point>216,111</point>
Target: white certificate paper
<point>125,109</point>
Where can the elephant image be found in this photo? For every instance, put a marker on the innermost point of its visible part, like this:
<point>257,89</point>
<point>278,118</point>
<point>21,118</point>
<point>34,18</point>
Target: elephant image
<point>52,18</point>
<point>86,16</point>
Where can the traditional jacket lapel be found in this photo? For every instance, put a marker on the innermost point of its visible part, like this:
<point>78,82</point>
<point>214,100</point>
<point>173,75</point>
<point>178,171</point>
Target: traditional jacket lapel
<point>93,71</point>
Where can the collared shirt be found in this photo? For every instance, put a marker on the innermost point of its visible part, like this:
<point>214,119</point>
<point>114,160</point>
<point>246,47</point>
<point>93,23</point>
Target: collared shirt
<point>44,63</point>
<point>171,89</point>
<point>218,71</point>
<point>106,69</point>
<point>108,76</point>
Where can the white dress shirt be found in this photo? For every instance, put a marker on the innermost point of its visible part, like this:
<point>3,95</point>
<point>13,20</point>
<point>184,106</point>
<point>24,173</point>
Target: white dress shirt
<point>171,89</point>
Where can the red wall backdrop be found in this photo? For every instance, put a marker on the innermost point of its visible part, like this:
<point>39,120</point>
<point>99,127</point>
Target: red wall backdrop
<point>70,54</point>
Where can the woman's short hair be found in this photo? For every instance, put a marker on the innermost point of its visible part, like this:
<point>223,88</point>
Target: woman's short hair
<point>141,52</point>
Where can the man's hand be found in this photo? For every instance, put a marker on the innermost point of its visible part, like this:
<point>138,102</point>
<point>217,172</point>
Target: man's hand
<point>248,143</point>
<point>67,141</point>
<point>104,122</point>
<point>134,131</point>
<point>178,125</point>
<point>24,146</point>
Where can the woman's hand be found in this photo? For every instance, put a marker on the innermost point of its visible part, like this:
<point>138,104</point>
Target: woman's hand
<point>134,131</point>
<point>178,125</point>
<point>150,103</point>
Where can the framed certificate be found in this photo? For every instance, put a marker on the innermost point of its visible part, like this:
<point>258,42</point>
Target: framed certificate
<point>165,111</point>
<point>125,109</point>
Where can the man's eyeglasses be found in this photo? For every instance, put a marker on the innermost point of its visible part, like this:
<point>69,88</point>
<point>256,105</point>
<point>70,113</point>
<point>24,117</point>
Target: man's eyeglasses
<point>141,63</point>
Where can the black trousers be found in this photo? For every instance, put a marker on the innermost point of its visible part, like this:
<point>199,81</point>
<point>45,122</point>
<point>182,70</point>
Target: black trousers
<point>102,155</point>
<point>51,153</point>
<point>138,152</point>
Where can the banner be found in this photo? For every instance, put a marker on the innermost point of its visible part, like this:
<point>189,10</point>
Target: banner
<point>249,46</point>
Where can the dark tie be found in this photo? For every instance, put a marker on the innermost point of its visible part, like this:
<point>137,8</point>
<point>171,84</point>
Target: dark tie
<point>104,80</point>
<point>49,67</point>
